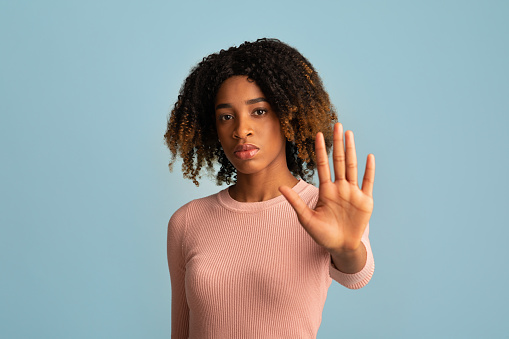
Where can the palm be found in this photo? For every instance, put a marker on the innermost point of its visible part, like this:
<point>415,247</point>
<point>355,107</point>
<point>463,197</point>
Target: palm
<point>343,209</point>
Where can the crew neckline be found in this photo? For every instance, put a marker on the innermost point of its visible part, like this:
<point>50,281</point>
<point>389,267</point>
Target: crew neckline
<point>227,201</point>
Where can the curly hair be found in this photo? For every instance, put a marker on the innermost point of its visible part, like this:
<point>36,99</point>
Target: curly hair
<point>291,86</point>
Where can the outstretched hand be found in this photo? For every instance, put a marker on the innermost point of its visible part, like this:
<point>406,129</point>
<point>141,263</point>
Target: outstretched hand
<point>343,209</point>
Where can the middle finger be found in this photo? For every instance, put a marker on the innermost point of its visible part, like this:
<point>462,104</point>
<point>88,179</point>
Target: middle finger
<point>338,153</point>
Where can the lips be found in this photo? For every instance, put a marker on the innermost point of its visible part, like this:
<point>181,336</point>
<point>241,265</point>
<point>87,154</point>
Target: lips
<point>245,151</point>
<point>244,147</point>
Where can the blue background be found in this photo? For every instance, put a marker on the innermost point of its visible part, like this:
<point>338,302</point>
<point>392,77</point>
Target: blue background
<point>86,88</point>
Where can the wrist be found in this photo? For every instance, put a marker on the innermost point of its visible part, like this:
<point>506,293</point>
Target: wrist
<point>347,251</point>
<point>349,260</point>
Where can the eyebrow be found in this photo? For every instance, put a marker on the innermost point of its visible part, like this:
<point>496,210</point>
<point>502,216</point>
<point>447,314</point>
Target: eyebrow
<point>248,102</point>
<point>254,101</point>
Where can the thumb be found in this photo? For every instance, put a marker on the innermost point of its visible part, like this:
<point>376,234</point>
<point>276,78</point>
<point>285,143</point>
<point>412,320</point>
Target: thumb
<point>304,213</point>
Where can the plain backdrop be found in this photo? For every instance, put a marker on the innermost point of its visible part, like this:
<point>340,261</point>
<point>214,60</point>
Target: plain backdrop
<point>86,88</point>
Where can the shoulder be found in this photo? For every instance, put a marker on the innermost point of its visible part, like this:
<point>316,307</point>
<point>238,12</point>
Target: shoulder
<point>310,189</point>
<point>192,209</point>
<point>309,193</point>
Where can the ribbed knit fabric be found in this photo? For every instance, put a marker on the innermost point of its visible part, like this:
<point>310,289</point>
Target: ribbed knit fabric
<point>250,270</point>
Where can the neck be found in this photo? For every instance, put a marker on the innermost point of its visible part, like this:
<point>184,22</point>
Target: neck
<point>253,188</point>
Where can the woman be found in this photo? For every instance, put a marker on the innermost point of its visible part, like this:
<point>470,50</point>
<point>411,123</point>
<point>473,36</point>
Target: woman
<point>256,259</point>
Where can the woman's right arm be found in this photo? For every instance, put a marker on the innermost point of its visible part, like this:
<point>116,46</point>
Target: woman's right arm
<point>176,264</point>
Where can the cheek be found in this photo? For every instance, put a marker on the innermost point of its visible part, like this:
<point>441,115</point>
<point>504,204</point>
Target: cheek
<point>276,131</point>
<point>223,138</point>
<point>220,131</point>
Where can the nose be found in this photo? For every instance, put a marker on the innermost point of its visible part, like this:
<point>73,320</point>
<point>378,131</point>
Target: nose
<point>242,129</point>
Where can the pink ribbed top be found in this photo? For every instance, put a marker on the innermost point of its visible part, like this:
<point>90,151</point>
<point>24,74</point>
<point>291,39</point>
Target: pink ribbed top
<point>250,270</point>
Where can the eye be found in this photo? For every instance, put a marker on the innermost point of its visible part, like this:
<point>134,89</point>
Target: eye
<point>225,117</point>
<point>260,111</point>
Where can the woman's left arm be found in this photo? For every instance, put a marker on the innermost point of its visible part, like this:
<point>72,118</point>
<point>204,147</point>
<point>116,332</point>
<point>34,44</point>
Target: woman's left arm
<point>343,209</point>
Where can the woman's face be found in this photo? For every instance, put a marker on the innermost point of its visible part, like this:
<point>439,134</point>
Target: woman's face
<point>249,129</point>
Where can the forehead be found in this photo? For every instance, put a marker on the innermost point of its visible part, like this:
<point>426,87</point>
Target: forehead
<point>238,88</point>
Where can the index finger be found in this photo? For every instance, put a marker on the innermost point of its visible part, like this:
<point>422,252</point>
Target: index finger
<point>322,160</point>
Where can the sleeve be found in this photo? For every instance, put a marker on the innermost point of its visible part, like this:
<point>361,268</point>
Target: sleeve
<point>361,278</point>
<point>176,264</point>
